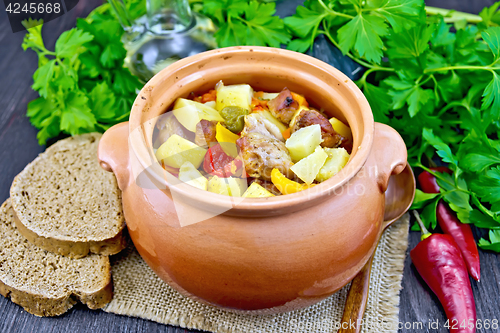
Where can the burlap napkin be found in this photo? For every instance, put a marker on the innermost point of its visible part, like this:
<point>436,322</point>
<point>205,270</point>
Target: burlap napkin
<point>138,292</point>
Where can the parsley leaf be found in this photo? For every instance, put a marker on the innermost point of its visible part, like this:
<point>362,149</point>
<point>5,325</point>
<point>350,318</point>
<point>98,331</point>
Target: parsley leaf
<point>493,244</point>
<point>442,149</point>
<point>70,43</point>
<point>421,199</point>
<point>479,162</point>
<point>401,14</point>
<point>487,185</point>
<point>363,33</point>
<point>492,37</point>
<point>43,77</point>
<point>304,21</point>
<point>244,22</point>
<point>77,117</point>
<point>491,95</point>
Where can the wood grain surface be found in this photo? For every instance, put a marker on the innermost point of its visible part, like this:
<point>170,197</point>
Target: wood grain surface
<point>18,146</point>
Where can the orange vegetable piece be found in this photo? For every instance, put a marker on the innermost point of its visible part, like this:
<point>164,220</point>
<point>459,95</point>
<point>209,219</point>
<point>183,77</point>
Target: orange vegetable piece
<point>209,97</point>
<point>300,99</point>
<point>286,133</point>
<point>285,185</point>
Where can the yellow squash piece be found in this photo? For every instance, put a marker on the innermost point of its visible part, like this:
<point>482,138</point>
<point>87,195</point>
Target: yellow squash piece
<point>176,151</point>
<point>337,159</point>
<point>222,134</point>
<point>234,95</point>
<point>256,191</point>
<point>189,113</point>
<point>227,140</point>
<point>303,142</point>
<point>230,186</point>
<point>285,185</point>
<point>190,175</point>
<point>308,167</point>
<point>341,128</point>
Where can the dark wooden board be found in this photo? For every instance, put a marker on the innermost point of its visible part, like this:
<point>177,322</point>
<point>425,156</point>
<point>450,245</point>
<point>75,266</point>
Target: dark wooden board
<point>18,146</point>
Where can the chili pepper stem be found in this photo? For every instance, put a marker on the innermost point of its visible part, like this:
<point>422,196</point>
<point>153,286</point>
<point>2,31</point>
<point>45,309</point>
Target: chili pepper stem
<point>425,232</point>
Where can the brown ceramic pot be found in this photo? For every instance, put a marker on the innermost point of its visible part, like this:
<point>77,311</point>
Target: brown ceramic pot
<point>264,255</point>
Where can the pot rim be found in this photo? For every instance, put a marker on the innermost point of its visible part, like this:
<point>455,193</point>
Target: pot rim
<point>360,153</point>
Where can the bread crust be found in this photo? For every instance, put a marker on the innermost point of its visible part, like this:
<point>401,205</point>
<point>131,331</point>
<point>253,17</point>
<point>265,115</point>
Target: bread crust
<point>71,249</point>
<point>35,298</point>
<point>73,245</point>
<point>41,306</point>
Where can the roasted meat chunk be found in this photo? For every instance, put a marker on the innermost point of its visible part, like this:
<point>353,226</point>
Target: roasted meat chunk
<point>261,154</point>
<point>283,107</point>
<point>331,139</point>
<point>167,126</point>
<point>205,132</point>
<point>256,123</point>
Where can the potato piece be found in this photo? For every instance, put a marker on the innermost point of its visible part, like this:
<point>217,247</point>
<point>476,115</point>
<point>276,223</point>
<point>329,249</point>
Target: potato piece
<point>308,167</point>
<point>337,159</point>
<point>190,175</point>
<point>176,151</point>
<point>303,142</point>
<point>269,96</point>
<point>211,104</point>
<point>269,117</point>
<point>230,186</point>
<point>234,95</point>
<point>341,128</point>
<point>257,191</point>
<point>189,113</point>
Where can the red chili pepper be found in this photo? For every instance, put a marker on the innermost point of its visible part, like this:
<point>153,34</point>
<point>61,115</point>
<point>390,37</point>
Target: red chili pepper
<point>428,182</point>
<point>449,223</point>
<point>439,261</point>
<point>218,163</point>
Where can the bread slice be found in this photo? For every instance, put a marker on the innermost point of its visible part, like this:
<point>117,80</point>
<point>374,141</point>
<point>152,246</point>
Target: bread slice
<point>67,204</point>
<point>44,283</point>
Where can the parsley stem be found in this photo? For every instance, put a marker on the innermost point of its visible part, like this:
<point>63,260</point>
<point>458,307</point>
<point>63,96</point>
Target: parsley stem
<point>435,174</point>
<point>449,68</point>
<point>362,81</point>
<point>453,15</point>
<point>449,106</point>
<point>331,11</point>
<point>481,207</point>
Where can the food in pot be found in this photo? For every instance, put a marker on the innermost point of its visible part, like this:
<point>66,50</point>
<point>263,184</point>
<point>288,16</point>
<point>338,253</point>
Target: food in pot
<point>239,142</point>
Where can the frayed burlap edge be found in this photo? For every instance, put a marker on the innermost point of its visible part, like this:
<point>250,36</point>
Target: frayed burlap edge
<point>150,298</point>
<point>382,309</point>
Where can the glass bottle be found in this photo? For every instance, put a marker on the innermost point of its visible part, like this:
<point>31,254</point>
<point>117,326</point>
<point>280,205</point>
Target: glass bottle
<point>168,32</point>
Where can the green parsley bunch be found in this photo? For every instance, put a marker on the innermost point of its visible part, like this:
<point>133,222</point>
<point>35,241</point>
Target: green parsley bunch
<point>83,85</point>
<point>433,75</point>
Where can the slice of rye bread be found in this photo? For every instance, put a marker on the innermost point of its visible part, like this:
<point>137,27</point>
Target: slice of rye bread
<point>44,283</point>
<point>67,204</point>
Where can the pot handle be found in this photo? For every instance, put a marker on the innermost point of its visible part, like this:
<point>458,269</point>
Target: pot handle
<point>112,153</point>
<point>393,174</point>
<point>388,154</point>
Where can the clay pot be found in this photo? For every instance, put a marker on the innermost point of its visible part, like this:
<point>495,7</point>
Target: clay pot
<point>264,255</point>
